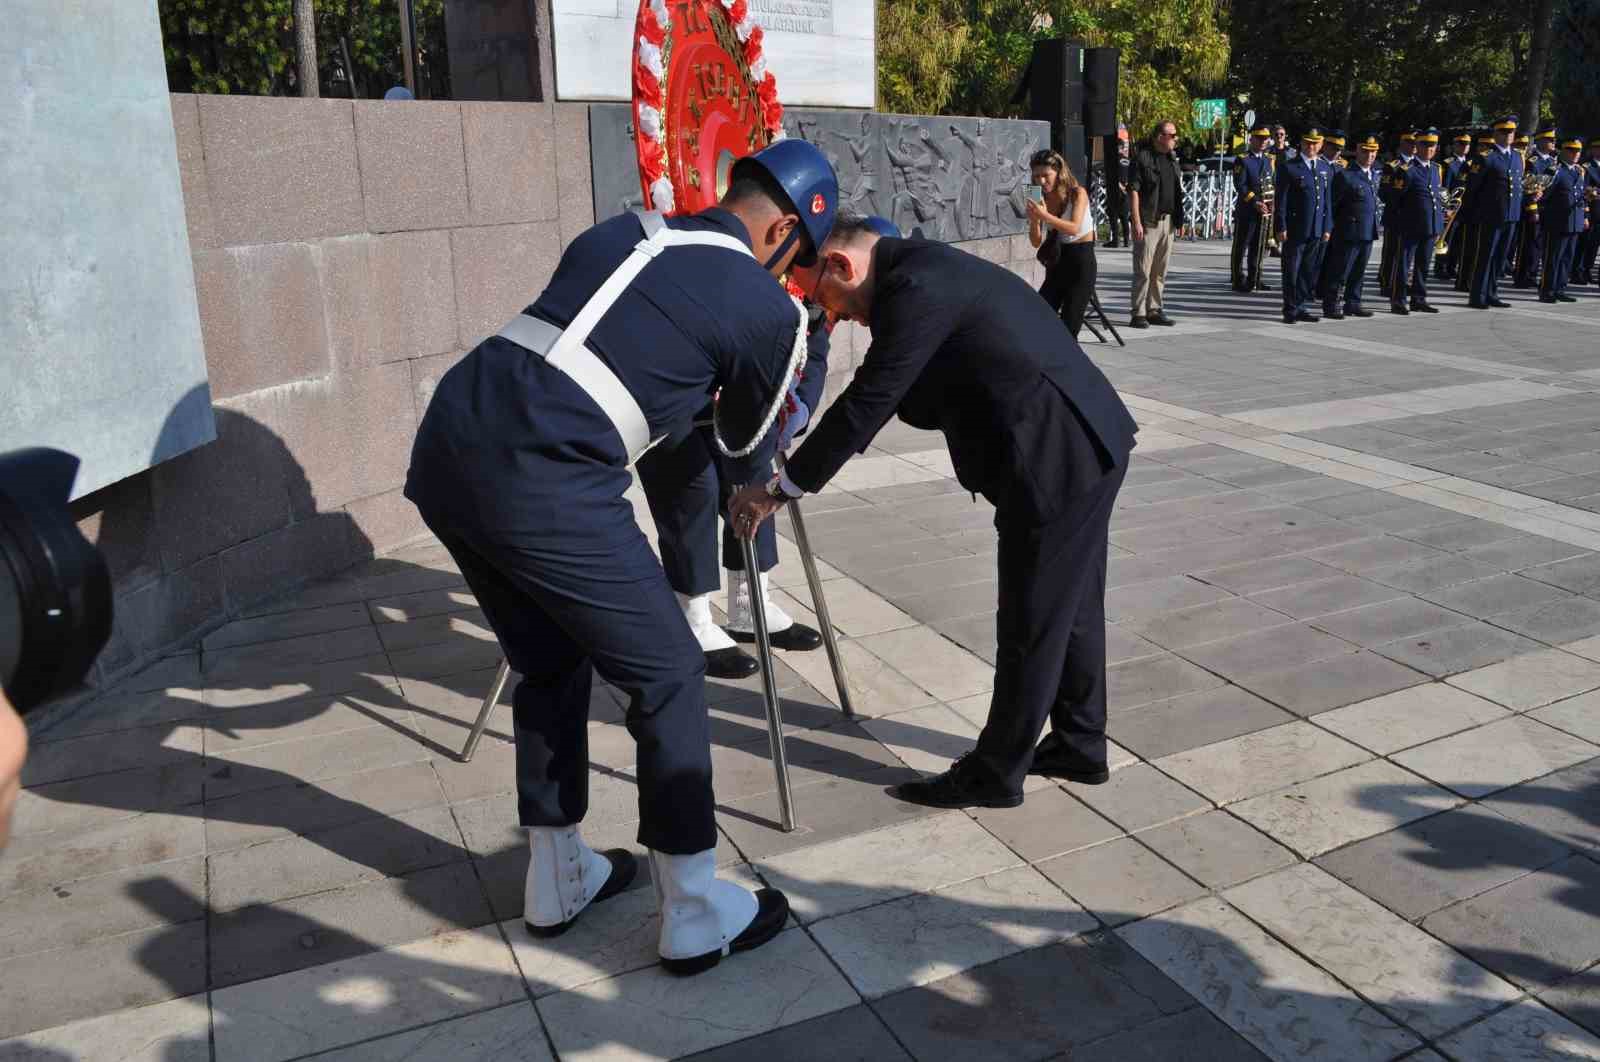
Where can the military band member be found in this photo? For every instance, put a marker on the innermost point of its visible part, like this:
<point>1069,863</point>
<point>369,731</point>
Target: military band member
<point>1251,176</point>
<point>1467,233</point>
<point>1495,185</point>
<point>1564,216</point>
<point>1303,223</point>
<point>1530,236</point>
<point>1446,266</point>
<point>1589,246</point>
<point>520,467</point>
<point>1333,163</point>
<point>1405,151</point>
<point>1277,149</point>
<point>966,347</point>
<point>1417,200</point>
<point>1355,227</point>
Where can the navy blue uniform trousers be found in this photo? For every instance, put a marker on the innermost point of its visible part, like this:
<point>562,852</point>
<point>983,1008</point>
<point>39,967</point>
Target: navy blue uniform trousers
<point>1051,634</point>
<point>1494,243</point>
<point>687,488</point>
<point>1344,273</point>
<point>1414,259</point>
<point>561,614</point>
<point>1298,261</point>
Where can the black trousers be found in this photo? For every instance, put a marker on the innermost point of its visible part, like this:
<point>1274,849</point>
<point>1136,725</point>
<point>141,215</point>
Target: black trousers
<point>562,614</point>
<point>687,488</point>
<point>1117,217</point>
<point>1530,254</point>
<point>1247,251</point>
<point>1051,629</point>
<point>1069,283</point>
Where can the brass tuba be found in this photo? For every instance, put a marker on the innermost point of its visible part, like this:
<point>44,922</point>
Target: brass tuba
<point>1451,206</point>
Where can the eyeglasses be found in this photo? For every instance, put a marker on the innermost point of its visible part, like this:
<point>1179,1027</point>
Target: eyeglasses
<point>1168,136</point>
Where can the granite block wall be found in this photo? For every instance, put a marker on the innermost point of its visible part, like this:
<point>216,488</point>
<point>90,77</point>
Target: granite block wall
<point>345,254</point>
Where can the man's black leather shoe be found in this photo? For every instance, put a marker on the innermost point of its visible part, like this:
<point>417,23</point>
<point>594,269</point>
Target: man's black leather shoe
<point>1308,318</point>
<point>1566,298</point>
<point>1551,299</point>
<point>1139,322</point>
<point>1332,315</point>
<point>1052,760</point>
<point>730,663</point>
<point>1422,307</point>
<point>1288,318</point>
<point>965,785</point>
<point>1160,318</point>
<point>1358,313</point>
<point>1399,308</point>
<point>1476,305</point>
<point>797,638</point>
<point>1499,304</point>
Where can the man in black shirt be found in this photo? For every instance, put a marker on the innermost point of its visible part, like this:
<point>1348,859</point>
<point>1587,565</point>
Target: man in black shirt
<point>1155,190</point>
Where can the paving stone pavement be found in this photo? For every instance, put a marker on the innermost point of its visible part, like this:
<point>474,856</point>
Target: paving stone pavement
<point>1355,700</point>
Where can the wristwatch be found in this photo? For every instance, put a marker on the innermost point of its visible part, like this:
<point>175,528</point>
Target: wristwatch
<point>775,489</point>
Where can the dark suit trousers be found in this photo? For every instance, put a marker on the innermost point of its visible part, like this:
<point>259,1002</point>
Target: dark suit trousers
<point>687,492</point>
<point>1295,258</point>
<point>1344,273</point>
<point>1493,244</point>
<point>1051,629</point>
<point>560,616</point>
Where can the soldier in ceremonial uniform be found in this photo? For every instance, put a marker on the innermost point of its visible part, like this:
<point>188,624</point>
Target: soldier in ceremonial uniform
<point>1565,216</point>
<point>1589,246</point>
<point>1447,265</point>
<point>1530,235</point>
<point>1417,200</point>
<point>1332,161</point>
<point>1252,175</point>
<point>964,346</point>
<point>1402,160</point>
<point>520,467</point>
<point>1303,223</point>
<point>1467,231</point>
<point>1355,227</point>
<point>1494,185</point>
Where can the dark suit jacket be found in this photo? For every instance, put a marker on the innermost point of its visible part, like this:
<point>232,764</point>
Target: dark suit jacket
<point>964,346</point>
<point>1355,205</point>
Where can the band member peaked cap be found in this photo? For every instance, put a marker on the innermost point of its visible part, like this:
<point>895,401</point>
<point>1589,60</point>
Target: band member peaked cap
<point>1261,130</point>
<point>1463,138</point>
<point>1369,143</point>
<point>1336,137</point>
<point>1429,135</point>
<point>807,178</point>
<point>1521,140</point>
<point>1485,138</point>
<point>883,226</point>
<point>1547,133</point>
<point>1508,122</point>
<point>1407,134</point>
<point>1312,136</point>
<point>1576,142</point>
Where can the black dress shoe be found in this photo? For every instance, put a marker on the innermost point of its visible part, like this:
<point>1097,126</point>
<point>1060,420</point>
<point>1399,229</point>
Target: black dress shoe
<point>1160,318</point>
<point>1139,322</point>
<point>1052,759</point>
<point>1422,307</point>
<point>772,914</point>
<point>730,663</point>
<point>965,785</point>
<point>1476,305</point>
<point>623,868</point>
<point>1308,318</point>
<point>796,638</point>
<point>1358,313</point>
<point>1566,298</point>
<point>1332,315</point>
<point>1399,308</point>
<point>1288,318</point>
<point>1499,304</point>
<point>1551,299</point>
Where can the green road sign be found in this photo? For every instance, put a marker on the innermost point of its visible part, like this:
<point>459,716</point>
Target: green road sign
<point>1209,113</point>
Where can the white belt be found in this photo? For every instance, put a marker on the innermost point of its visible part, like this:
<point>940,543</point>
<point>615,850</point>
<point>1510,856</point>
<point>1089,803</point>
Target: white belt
<point>566,348</point>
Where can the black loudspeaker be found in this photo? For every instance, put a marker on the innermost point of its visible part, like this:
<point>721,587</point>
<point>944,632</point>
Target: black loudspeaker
<point>1100,91</point>
<point>1055,83</point>
<point>1068,139</point>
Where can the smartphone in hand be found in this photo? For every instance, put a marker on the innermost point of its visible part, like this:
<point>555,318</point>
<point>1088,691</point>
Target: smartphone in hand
<point>1035,193</point>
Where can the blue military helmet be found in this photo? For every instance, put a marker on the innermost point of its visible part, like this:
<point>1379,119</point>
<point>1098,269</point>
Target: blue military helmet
<point>808,180</point>
<point>882,226</point>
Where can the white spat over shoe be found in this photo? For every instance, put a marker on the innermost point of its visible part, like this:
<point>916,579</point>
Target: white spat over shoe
<point>704,918</point>
<point>565,876</point>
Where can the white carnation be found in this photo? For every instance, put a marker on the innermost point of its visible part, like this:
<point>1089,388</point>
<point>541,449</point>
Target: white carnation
<point>650,56</point>
<point>663,16</point>
<point>661,196</point>
<point>779,135</point>
<point>650,121</point>
<point>743,28</point>
<point>758,69</point>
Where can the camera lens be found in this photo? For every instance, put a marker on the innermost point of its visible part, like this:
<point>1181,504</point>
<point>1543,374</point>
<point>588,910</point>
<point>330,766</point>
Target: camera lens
<point>55,591</point>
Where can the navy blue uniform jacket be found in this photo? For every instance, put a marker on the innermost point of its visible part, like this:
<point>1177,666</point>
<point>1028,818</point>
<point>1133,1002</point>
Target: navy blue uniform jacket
<point>1301,203</point>
<point>1414,199</point>
<point>1247,178</point>
<point>963,346</point>
<point>507,440</point>
<point>1562,208</point>
<point>1355,205</point>
<point>1494,187</point>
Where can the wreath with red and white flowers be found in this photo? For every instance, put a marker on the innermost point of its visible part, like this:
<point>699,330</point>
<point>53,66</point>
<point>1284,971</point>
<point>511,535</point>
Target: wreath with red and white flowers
<point>649,82</point>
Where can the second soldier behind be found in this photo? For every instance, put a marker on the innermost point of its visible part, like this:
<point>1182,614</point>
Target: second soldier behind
<point>1355,227</point>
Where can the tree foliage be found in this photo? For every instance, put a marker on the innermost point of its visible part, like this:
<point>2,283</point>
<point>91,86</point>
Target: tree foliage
<point>247,46</point>
<point>1173,51</point>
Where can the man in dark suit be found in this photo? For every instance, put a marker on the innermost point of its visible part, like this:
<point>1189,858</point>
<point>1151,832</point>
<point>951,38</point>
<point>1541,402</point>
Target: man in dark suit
<point>1416,201</point>
<point>1355,227</point>
<point>1494,186</point>
<point>964,346</point>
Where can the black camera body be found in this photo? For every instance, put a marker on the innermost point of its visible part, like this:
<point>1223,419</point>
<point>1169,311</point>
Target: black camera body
<point>55,590</point>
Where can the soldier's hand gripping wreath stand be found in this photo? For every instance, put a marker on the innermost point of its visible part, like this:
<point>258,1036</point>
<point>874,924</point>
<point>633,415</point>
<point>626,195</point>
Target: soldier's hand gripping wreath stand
<point>966,347</point>
<point>519,467</point>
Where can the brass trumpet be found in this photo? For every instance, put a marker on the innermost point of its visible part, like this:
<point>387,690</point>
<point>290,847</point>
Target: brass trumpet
<point>1451,205</point>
